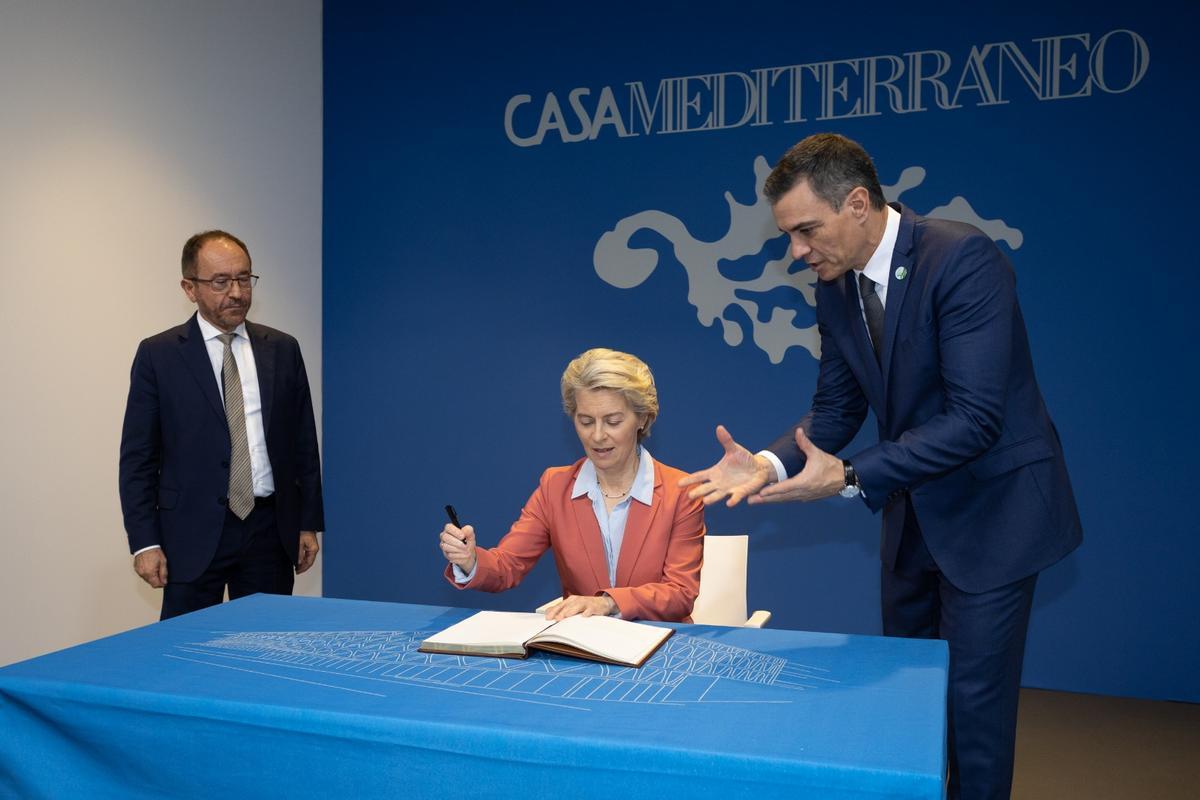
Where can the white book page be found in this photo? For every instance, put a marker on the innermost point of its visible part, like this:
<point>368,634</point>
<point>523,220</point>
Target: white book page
<point>615,639</point>
<point>490,628</point>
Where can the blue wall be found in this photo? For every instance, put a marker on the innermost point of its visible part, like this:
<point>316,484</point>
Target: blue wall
<point>462,273</point>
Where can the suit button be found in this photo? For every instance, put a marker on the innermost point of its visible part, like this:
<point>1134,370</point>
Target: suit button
<point>221,501</point>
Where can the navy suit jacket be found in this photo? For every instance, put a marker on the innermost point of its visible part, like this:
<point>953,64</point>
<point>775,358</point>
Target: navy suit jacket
<point>965,440</point>
<point>174,469</point>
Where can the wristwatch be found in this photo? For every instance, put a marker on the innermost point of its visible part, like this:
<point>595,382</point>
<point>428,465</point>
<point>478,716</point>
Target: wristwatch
<point>852,488</point>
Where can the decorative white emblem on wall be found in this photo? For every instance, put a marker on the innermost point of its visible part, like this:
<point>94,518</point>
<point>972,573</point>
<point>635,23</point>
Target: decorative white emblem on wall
<point>750,228</point>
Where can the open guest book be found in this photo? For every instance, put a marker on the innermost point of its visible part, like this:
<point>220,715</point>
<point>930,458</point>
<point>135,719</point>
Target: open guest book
<point>512,634</point>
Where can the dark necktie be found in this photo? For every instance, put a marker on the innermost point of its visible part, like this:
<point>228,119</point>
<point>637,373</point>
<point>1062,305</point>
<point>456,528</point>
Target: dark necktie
<point>241,489</point>
<point>873,311</point>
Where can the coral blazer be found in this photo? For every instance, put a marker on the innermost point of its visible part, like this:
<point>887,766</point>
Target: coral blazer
<point>658,568</point>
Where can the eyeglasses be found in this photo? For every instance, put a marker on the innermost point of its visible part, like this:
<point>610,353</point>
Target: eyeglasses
<point>221,284</point>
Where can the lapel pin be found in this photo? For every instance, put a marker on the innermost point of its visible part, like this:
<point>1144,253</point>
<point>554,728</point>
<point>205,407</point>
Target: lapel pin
<point>901,273</point>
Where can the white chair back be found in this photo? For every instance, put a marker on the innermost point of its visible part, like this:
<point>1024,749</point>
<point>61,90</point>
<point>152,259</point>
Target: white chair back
<point>722,598</point>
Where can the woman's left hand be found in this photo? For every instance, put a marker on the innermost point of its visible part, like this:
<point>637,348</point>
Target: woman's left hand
<point>599,606</point>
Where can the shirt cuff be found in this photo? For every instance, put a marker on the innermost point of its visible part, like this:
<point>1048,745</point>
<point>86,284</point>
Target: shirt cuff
<point>144,549</point>
<point>461,577</point>
<point>780,472</point>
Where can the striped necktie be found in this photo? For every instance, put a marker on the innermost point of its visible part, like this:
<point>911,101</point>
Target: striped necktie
<point>241,488</point>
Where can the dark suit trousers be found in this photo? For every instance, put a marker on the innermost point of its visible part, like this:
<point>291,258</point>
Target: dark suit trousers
<point>249,559</point>
<point>986,635</point>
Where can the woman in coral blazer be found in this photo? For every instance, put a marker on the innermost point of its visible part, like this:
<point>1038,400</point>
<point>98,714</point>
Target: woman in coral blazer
<point>626,540</point>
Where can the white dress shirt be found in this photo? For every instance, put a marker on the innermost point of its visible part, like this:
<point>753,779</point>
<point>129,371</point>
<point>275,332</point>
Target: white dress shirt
<point>262,478</point>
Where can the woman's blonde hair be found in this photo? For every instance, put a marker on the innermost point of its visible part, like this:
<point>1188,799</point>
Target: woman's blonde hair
<point>601,368</point>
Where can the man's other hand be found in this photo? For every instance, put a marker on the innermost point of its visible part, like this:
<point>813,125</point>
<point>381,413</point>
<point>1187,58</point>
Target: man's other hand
<point>151,566</point>
<point>823,476</point>
<point>309,547</point>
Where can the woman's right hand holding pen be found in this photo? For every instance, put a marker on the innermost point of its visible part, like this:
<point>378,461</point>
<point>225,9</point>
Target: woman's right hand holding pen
<point>458,546</point>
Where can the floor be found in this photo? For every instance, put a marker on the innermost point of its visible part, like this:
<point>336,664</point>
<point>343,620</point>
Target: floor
<point>1090,747</point>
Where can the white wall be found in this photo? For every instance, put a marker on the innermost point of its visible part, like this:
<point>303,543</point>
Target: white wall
<point>124,128</point>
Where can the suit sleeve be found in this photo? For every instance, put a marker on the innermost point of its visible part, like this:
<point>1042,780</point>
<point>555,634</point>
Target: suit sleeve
<point>504,566</point>
<point>975,308</point>
<point>308,456</point>
<point>671,598</point>
<point>141,455</point>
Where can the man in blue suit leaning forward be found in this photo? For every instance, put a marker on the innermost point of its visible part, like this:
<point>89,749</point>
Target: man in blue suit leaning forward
<point>220,477</point>
<point>919,322</point>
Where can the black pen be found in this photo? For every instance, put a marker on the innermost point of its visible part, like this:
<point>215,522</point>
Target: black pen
<point>453,517</point>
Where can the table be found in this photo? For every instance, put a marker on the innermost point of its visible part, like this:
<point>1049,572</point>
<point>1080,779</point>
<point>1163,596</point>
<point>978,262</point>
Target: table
<point>272,696</point>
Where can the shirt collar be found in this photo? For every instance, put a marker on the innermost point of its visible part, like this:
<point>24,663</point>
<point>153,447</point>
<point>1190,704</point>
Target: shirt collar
<point>880,264</point>
<point>210,331</point>
<point>643,484</point>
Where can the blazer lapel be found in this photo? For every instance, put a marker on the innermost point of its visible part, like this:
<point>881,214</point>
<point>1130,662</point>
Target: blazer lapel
<point>588,530</point>
<point>264,363</point>
<point>195,355</point>
<point>898,283</point>
<point>637,528</point>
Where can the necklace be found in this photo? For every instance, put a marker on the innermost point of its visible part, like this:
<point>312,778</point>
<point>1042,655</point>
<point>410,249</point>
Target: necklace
<point>614,496</point>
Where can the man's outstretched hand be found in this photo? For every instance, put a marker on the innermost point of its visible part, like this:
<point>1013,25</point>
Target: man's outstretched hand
<point>738,475</point>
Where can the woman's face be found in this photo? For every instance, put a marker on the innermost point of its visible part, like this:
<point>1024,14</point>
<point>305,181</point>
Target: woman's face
<point>607,428</point>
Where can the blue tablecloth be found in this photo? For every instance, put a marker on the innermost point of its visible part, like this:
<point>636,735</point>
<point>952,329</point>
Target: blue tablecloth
<point>309,697</point>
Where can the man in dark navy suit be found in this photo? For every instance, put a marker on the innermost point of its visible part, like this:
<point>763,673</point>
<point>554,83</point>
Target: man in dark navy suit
<point>220,477</point>
<point>919,322</point>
